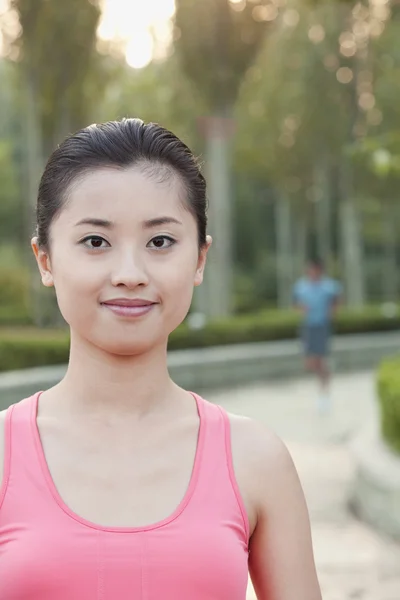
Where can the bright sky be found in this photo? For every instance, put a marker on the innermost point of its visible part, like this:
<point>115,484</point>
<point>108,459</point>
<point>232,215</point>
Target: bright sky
<point>132,21</point>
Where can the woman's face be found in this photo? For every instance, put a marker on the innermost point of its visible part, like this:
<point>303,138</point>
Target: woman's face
<point>123,259</point>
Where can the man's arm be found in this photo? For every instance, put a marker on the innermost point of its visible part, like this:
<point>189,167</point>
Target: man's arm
<point>297,303</point>
<point>337,300</point>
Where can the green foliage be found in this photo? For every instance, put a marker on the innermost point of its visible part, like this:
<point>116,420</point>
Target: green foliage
<point>14,295</point>
<point>9,193</point>
<point>148,94</point>
<point>25,348</point>
<point>60,63</point>
<point>217,44</point>
<point>388,383</point>
<point>293,117</point>
<point>60,78</point>
<point>29,347</point>
<point>287,96</point>
<point>272,325</point>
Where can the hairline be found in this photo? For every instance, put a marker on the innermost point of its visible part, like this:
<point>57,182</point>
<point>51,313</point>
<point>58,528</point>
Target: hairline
<point>147,167</point>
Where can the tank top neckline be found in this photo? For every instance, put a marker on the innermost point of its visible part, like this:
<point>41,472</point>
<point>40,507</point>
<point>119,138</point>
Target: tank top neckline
<point>172,517</point>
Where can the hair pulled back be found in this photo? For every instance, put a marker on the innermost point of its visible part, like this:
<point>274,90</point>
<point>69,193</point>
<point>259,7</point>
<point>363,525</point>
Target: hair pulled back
<point>119,144</point>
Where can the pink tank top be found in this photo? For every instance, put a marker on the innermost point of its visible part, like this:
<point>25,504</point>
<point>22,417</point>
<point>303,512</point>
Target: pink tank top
<point>47,552</point>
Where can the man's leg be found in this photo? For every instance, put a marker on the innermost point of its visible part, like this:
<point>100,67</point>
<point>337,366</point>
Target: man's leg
<point>322,371</point>
<point>319,366</point>
<point>316,346</point>
<point>311,363</point>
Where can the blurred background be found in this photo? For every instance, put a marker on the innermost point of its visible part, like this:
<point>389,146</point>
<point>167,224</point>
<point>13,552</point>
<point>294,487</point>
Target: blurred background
<point>291,105</point>
<point>293,109</point>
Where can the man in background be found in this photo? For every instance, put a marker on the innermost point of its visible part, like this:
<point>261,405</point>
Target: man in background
<point>317,297</point>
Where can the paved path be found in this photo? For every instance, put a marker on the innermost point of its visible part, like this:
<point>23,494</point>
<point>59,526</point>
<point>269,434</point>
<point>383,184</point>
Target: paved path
<point>354,562</point>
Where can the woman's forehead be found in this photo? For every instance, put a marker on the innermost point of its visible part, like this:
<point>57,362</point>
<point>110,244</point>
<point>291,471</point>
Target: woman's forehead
<point>125,193</point>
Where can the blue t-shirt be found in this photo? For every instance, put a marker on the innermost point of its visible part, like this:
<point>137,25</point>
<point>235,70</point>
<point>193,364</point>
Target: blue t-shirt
<point>317,296</point>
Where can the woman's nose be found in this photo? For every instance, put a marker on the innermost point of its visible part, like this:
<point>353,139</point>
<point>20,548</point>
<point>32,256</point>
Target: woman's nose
<point>129,272</point>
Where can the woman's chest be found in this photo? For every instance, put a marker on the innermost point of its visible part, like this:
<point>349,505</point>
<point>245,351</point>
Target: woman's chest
<point>120,482</point>
<point>199,561</point>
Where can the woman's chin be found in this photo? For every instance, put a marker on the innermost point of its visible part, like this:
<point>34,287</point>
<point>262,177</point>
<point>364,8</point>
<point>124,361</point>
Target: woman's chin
<point>127,348</point>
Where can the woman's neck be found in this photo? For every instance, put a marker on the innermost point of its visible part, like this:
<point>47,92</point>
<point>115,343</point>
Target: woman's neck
<point>101,383</point>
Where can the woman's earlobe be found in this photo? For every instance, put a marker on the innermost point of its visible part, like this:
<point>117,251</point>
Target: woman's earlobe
<point>198,280</point>
<point>47,279</point>
<point>43,262</point>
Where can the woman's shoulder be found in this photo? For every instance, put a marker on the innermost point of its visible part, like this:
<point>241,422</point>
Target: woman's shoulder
<point>262,465</point>
<point>257,445</point>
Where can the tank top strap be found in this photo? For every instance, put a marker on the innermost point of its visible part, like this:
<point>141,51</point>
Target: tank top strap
<point>23,475</point>
<point>216,435</point>
<point>217,485</point>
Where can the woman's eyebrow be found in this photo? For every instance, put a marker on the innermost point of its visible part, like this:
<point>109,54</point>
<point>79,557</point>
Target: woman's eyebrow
<point>95,222</point>
<point>160,221</point>
<point>149,224</point>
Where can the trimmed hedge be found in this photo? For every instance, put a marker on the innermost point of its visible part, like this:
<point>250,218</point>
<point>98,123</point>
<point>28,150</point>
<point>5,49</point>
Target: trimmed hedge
<point>388,380</point>
<point>14,296</point>
<point>273,325</point>
<point>29,347</point>
<point>14,315</point>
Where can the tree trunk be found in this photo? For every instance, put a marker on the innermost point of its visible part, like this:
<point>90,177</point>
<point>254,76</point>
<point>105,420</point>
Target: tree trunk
<point>284,252</point>
<point>323,212</point>
<point>34,162</point>
<point>301,238</point>
<point>219,271</point>
<point>389,270</point>
<point>352,250</point>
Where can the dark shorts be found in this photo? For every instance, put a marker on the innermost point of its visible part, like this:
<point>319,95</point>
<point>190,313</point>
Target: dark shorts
<point>316,339</point>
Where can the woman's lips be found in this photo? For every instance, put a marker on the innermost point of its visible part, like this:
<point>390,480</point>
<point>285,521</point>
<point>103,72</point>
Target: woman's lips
<point>129,308</point>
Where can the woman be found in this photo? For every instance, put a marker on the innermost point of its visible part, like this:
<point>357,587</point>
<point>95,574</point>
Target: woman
<point>117,483</point>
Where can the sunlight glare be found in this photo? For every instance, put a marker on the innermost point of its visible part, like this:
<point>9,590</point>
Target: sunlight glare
<point>129,21</point>
<point>139,50</point>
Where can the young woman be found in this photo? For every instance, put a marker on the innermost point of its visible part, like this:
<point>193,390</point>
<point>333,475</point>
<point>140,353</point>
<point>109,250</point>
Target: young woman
<point>116,483</point>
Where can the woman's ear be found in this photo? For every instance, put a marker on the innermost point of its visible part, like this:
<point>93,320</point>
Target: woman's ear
<point>43,262</point>
<point>201,263</point>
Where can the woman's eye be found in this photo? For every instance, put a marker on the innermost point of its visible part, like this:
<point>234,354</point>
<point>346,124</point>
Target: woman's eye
<point>161,242</point>
<point>94,242</point>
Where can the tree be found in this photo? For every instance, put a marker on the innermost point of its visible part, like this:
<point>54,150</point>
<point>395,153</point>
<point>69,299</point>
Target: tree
<point>9,207</point>
<point>309,97</point>
<point>292,134</point>
<point>60,65</point>
<point>61,76</point>
<point>10,189</point>
<point>148,94</point>
<point>217,41</point>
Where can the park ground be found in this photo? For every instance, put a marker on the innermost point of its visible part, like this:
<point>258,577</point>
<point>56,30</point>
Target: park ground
<point>354,561</point>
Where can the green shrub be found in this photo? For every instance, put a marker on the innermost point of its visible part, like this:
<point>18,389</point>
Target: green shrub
<point>368,319</point>
<point>26,347</point>
<point>271,325</point>
<point>388,383</point>
<point>266,326</point>
<point>15,315</point>
<point>14,296</point>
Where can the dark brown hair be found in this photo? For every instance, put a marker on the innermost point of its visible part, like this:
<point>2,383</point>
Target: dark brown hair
<point>119,144</point>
